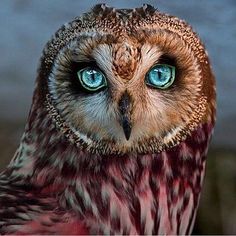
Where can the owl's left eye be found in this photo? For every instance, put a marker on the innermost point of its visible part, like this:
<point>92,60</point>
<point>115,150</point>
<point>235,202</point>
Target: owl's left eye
<point>91,79</point>
<point>160,76</point>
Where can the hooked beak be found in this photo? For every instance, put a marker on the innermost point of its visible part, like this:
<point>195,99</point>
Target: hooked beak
<point>125,107</point>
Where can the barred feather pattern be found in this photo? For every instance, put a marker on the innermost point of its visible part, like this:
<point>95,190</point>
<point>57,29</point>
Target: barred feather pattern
<point>52,187</point>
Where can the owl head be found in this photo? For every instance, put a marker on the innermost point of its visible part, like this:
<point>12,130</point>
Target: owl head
<point>118,80</point>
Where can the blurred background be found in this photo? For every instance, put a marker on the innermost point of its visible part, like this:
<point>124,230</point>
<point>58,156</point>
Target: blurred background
<point>26,25</point>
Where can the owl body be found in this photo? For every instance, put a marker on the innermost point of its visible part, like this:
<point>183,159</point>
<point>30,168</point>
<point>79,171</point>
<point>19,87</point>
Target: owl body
<point>126,158</point>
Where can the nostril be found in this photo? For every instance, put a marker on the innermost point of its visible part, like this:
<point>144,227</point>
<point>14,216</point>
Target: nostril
<point>125,103</point>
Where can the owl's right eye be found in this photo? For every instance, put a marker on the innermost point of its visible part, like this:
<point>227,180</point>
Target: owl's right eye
<point>91,79</point>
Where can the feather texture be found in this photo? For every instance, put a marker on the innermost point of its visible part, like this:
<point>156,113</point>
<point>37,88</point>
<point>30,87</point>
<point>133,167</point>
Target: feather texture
<point>74,171</point>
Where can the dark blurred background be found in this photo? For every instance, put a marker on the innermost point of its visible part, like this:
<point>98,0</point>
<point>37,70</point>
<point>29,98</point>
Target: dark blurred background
<point>26,25</point>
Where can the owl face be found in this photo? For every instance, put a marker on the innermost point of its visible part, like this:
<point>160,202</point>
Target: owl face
<point>132,87</point>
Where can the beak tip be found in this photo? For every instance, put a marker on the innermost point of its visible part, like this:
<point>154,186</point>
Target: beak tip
<point>127,129</point>
<point>127,136</point>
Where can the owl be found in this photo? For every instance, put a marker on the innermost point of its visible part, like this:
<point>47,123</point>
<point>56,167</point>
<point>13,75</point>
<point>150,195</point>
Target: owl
<point>118,131</point>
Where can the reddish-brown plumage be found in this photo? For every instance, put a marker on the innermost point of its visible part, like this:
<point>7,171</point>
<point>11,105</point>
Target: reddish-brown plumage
<point>64,181</point>
<point>130,177</point>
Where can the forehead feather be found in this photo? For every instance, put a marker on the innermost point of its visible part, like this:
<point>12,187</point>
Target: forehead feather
<point>125,59</point>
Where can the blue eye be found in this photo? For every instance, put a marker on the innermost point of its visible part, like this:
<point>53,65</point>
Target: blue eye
<point>160,76</point>
<point>91,79</point>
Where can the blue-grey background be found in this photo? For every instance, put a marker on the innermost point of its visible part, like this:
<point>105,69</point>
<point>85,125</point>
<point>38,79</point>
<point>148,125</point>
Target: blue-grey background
<point>25,27</point>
